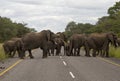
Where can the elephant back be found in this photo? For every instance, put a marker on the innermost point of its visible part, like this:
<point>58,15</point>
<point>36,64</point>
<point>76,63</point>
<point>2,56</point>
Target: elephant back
<point>78,38</point>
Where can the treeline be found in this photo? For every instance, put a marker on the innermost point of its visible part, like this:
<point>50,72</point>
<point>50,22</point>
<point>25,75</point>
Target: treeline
<point>104,24</point>
<point>9,29</point>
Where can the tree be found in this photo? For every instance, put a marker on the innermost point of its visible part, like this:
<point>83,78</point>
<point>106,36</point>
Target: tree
<point>71,25</point>
<point>79,28</point>
<point>9,29</point>
<point>114,11</point>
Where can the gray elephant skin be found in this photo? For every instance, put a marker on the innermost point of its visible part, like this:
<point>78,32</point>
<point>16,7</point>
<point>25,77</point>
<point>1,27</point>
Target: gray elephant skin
<point>100,41</point>
<point>76,42</point>
<point>12,45</point>
<point>37,40</point>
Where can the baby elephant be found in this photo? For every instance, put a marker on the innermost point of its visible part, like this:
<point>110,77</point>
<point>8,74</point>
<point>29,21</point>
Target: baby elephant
<point>11,46</point>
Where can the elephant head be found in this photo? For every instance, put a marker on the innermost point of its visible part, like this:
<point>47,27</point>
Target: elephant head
<point>9,47</point>
<point>62,35</point>
<point>49,35</point>
<point>112,38</point>
<point>118,42</point>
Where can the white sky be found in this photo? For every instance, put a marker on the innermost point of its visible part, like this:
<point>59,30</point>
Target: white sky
<point>54,14</point>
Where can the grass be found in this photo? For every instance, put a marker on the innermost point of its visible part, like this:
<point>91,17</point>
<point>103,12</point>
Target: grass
<point>2,54</point>
<point>114,52</point>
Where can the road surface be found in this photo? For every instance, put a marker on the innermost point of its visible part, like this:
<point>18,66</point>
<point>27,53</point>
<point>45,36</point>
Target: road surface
<point>62,68</point>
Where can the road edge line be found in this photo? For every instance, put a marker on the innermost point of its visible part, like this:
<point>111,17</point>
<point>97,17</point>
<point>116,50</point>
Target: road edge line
<point>12,66</point>
<point>108,61</point>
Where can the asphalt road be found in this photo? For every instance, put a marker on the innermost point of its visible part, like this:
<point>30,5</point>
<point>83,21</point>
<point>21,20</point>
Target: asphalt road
<point>62,68</point>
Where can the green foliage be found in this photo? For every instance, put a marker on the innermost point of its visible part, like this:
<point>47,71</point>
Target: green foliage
<point>2,54</point>
<point>114,11</point>
<point>115,52</point>
<point>9,29</point>
<point>104,24</point>
<point>79,28</point>
<point>71,25</point>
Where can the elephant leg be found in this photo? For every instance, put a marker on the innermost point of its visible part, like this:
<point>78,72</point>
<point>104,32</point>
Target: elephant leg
<point>21,54</point>
<point>48,51</point>
<point>52,51</point>
<point>101,53</point>
<point>57,51</point>
<point>107,51</point>
<point>60,50</point>
<point>94,53</point>
<point>44,53</point>
<point>107,54</point>
<point>64,50</point>
<point>71,52</point>
<point>18,53</point>
<point>74,52</point>
<point>78,52</point>
<point>10,54</point>
<point>97,53</point>
<point>13,54</point>
<point>30,54</point>
<point>87,52</point>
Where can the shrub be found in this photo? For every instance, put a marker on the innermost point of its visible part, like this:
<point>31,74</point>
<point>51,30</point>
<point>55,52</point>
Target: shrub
<point>115,52</point>
<point>2,54</point>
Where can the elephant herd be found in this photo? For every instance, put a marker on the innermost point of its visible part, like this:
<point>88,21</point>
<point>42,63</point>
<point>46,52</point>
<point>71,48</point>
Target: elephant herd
<point>51,43</point>
<point>46,40</point>
<point>98,42</point>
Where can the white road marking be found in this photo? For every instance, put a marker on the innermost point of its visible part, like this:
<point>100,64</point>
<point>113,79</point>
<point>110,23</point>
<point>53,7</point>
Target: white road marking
<point>64,63</point>
<point>72,75</point>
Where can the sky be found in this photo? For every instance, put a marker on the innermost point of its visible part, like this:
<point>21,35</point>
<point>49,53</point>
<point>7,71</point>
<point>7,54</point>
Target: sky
<point>54,14</point>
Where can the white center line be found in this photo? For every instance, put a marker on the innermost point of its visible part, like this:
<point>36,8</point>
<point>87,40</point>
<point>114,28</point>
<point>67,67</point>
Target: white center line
<point>72,75</point>
<point>64,63</point>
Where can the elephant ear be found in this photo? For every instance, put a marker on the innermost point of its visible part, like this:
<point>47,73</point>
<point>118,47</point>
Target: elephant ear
<point>48,35</point>
<point>112,38</point>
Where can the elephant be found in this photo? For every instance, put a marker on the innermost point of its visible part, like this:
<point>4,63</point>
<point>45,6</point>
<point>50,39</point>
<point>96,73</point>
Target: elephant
<point>51,47</point>
<point>35,40</point>
<point>100,41</point>
<point>62,36</point>
<point>19,45</point>
<point>11,46</point>
<point>118,41</point>
<point>76,42</point>
<point>66,48</point>
<point>58,45</point>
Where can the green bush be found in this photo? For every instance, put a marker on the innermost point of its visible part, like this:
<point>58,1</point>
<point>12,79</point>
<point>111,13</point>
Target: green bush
<point>115,52</point>
<point>2,54</point>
